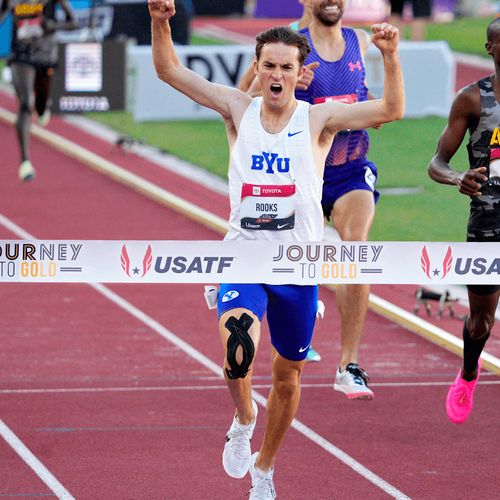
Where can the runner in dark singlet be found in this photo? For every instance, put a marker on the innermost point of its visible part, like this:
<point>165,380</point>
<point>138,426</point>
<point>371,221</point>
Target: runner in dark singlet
<point>475,109</point>
<point>32,60</point>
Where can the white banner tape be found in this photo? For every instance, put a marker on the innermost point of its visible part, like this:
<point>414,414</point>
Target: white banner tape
<point>270,262</point>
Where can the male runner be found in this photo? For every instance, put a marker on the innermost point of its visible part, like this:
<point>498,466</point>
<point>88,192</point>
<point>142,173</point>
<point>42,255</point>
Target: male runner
<point>274,140</point>
<point>248,83</point>
<point>32,60</point>
<point>476,109</point>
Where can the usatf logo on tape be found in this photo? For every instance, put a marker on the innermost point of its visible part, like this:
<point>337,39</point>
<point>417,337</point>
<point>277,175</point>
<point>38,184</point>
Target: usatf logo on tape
<point>178,264</point>
<point>476,266</point>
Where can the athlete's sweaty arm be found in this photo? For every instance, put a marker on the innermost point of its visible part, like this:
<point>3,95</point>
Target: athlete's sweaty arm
<point>464,115</point>
<point>366,114</point>
<point>225,100</point>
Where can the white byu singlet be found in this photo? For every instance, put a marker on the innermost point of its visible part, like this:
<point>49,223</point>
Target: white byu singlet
<point>274,187</point>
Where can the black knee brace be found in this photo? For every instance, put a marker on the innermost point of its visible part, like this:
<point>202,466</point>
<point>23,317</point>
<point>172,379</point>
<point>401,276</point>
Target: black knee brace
<point>239,337</point>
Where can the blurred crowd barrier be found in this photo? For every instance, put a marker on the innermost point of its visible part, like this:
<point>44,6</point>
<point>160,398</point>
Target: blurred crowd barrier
<point>356,11</point>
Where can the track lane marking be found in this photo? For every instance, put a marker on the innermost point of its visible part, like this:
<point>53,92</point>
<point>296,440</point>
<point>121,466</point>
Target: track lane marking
<point>217,370</point>
<point>38,468</point>
<point>83,390</point>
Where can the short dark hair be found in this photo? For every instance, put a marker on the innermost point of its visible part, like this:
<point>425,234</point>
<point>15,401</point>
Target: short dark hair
<point>493,29</point>
<point>286,35</point>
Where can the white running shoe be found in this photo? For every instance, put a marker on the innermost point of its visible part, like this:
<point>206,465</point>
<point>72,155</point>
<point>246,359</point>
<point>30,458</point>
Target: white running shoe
<point>43,120</point>
<point>313,355</point>
<point>353,382</point>
<point>26,171</point>
<point>237,452</point>
<point>262,482</point>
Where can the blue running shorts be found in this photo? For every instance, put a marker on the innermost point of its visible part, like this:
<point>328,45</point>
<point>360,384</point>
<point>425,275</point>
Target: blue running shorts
<point>341,179</point>
<point>291,312</point>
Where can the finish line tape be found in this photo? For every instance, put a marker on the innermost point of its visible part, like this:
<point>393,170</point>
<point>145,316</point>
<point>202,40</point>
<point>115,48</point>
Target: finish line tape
<point>271,262</point>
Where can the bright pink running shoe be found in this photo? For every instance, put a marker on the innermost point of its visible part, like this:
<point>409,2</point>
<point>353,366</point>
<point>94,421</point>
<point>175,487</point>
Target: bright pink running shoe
<point>461,398</point>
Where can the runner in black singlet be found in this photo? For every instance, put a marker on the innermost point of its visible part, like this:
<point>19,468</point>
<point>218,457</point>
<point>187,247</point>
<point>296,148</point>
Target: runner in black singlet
<point>476,109</point>
<point>32,61</point>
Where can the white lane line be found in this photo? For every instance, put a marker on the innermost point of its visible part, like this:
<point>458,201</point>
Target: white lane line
<point>429,331</point>
<point>217,370</point>
<point>38,468</point>
<point>77,390</point>
<point>14,228</point>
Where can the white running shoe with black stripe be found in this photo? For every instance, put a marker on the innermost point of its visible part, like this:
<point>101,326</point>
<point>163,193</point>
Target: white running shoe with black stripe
<point>353,382</point>
<point>237,452</point>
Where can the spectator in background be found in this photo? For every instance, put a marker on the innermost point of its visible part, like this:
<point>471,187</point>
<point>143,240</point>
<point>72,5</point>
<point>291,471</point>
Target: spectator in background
<point>32,60</point>
<point>422,12</point>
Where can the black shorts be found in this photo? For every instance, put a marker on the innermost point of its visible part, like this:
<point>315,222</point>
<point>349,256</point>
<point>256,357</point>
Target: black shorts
<point>483,289</point>
<point>42,52</point>
<point>421,8</point>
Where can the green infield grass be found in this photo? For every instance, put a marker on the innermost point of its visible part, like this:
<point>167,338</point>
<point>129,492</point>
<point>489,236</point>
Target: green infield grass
<point>467,35</point>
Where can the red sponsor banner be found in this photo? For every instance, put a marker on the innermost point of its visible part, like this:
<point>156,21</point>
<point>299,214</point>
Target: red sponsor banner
<point>274,191</point>
<point>345,99</point>
<point>494,153</point>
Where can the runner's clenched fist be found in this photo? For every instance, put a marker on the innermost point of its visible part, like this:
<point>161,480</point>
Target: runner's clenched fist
<point>161,10</point>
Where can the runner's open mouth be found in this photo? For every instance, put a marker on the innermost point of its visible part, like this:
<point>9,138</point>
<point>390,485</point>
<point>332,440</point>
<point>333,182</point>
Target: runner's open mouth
<point>276,88</point>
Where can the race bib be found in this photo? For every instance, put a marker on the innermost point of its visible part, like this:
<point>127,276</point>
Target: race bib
<point>269,208</point>
<point>345,99</point>
<point>28,29</point>
<point>494,168</point>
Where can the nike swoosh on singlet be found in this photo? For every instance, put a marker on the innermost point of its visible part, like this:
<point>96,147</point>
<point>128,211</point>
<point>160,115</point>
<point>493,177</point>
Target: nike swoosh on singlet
<point>291,134</point>
<point>302,349</point>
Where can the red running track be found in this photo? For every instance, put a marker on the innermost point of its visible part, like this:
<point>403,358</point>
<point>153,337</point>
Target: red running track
<point>98,383</point>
